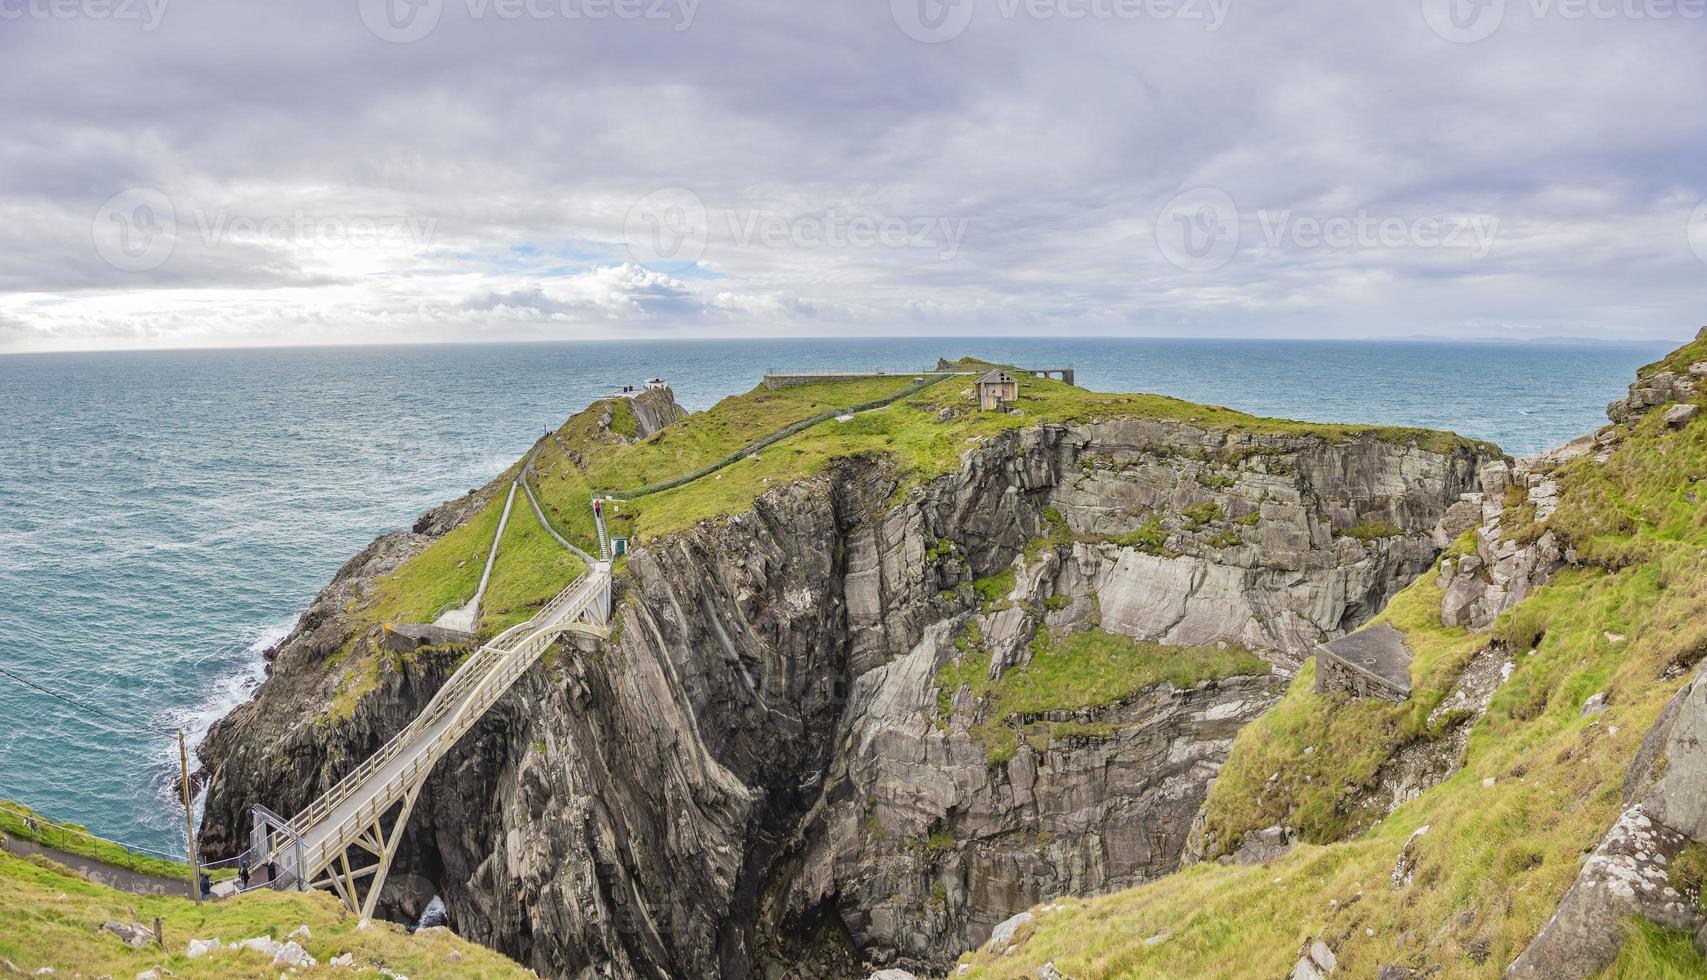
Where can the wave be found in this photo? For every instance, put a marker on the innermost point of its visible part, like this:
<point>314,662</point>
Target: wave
<point>232,686</point>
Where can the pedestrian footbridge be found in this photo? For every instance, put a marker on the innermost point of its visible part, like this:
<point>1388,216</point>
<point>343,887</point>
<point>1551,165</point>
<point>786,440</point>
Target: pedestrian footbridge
<point>341,841</point>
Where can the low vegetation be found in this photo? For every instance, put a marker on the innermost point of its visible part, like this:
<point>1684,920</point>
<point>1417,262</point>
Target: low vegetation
<point>19,821</point>
<point>1507,833</point>
<point>51,918</point>
<point>1083,670</point>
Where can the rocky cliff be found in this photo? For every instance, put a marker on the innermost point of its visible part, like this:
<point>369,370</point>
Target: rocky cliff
<point>866,718</point>
<point>1536,806</point>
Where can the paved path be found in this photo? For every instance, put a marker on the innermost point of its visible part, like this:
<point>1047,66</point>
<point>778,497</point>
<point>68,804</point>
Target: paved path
<point>348,815</point>
<point>101,873</point>
<point>465,618</point>
<point>540,514</point>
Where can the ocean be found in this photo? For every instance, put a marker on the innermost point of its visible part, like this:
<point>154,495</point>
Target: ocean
<point>165,516</point>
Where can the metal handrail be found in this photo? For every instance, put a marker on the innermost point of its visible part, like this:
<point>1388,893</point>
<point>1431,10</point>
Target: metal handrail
<point>476,684</point>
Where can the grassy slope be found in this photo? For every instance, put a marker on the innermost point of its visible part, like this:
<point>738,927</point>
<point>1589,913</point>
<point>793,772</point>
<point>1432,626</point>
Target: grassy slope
<point>1496,859</point>
<point>1082,670</point>
<point>72,839</point>
<point>50,917</point>
<point>909,431</point>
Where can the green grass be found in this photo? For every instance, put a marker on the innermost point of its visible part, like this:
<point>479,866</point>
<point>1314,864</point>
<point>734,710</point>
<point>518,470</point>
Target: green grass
<point>1151,538</point>
<point>532,568</point>
<point>445,574</point>
<point>909,434</point>
<point>51,917</point>
<point>1653,953</point>
<point>994,589</point>
<point>1496,858</point>
<point>1081,671</point>
<point>1370,530</point>
<point>75,839</point>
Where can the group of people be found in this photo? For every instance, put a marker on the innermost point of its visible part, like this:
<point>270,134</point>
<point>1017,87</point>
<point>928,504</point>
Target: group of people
<point>244,874</point>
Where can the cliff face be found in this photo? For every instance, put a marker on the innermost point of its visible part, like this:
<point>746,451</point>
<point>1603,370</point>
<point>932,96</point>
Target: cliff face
<point>789,759</point>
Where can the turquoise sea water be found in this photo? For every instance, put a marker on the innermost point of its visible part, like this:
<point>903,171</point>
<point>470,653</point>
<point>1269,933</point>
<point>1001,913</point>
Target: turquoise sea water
<point>165,516</point>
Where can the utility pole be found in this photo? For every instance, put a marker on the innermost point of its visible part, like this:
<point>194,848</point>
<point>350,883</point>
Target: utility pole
<point>189,820</point>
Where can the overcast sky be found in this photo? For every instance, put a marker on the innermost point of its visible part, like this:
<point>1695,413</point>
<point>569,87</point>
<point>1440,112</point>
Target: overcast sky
<point>211,172</point>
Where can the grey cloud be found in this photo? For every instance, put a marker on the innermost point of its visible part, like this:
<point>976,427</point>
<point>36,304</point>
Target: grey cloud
<point>1057,141</point>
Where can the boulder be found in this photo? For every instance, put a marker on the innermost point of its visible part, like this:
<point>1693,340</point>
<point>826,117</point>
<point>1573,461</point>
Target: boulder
<point>265,945</point>
<point>1262,846</point>
<point>201,947</point>
<point>1678,416</point>
<point>1002,936</point>
<point>135,936</point>
<point>292,954</point>
<point>1316,963</point>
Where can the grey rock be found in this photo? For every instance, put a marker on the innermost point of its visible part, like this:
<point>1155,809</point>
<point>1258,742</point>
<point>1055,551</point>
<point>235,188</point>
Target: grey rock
<point>1317,963</point>
<point>1678,416</point>
<point>1392,971</point>
<point>265,945</point>
<point>1405,866</point>
<point>891,975</point>
<point>292,954</point>
<point>135,936</point>
<point>1495,476</point>
<point>1262,846</point>
<point>1627,873</point>
<point>1625,876</point>
<point>760,748</point>
<point>1595,704</point>
<point>1002,936</point>
<point>201,947</point>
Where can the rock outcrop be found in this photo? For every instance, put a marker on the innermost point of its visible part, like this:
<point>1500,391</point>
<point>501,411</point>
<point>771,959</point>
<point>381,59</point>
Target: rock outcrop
<point>1630,872</point>
<point>762,771</point>
<point>1509,560</point>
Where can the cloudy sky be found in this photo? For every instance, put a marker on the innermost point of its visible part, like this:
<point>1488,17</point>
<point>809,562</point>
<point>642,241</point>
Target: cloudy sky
<point>212,172</point>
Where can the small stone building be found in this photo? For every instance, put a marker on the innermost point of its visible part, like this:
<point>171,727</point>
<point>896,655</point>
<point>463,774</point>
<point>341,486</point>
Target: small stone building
<point>996,390</point>
<point>1371,663</point>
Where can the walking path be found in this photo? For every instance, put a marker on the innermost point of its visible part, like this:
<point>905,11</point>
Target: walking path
<point>314,847</point>
<point>321,846</point>
<point>465,618</point>
<point>101,873</point>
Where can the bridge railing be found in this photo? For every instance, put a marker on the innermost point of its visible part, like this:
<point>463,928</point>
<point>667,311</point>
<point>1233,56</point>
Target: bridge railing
<point>464,679</point>
<point>509,666</point>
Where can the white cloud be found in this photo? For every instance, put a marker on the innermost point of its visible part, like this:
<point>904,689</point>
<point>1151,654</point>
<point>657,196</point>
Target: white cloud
<point>328,186</point>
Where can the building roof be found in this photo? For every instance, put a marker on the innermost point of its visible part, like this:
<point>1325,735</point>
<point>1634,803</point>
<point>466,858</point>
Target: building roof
<point>996,377</point>
<point>1378,652</point>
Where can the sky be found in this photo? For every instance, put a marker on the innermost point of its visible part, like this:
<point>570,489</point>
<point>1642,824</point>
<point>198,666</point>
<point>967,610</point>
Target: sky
<point>182,173</point>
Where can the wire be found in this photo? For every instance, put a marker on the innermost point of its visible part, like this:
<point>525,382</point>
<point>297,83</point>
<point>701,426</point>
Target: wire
<point>132,726</point>
<point>54,825</point>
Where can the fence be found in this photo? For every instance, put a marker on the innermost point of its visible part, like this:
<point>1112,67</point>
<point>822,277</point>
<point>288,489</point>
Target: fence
<point>774,438</point>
